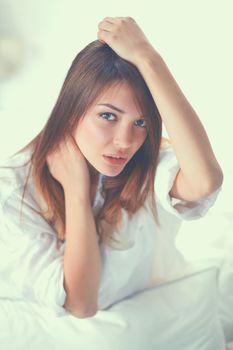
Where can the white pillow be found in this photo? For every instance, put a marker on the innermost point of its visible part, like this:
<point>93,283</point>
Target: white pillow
<point>179,315</point>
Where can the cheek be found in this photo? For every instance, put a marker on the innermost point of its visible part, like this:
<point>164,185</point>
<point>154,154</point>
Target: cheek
<point>140,140</point>
<point>91,135</point>
<point>96,135</point>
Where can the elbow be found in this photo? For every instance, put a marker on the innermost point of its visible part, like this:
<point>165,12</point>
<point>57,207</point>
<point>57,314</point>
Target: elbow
<point>214,183</point>
<point>82,312</point>
<point>220,178</point>
<point>86,314</point>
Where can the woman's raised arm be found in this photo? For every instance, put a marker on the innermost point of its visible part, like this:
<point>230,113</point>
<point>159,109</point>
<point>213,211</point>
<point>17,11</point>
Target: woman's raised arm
<point>200,173</point>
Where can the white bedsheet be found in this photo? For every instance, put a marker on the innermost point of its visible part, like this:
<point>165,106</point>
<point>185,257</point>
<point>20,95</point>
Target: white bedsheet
<point>194,313</point>
<point>178,315</point>
<point>209,242</point>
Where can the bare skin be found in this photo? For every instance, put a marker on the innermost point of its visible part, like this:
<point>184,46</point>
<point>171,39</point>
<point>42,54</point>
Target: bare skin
<point>82,261</point>
<point>68,166</point>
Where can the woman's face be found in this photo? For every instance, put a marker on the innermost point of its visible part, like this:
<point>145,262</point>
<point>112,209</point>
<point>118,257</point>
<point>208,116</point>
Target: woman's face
<point>113,126</point>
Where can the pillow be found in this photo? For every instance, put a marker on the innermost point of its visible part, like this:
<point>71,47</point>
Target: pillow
<point>181,315</point>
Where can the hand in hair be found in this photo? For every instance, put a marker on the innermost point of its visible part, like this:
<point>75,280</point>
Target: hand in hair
<point>68,166</point>
<point>125,37</point>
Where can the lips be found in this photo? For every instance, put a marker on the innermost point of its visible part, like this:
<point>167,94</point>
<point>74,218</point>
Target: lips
<point>115,161</point>
<point>116,156</point>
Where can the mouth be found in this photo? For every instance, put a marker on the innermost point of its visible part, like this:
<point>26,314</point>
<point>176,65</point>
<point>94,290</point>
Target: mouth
<point>115,160</point>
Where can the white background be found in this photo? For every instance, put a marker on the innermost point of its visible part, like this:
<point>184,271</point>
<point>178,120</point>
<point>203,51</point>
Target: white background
<point>194,38</point>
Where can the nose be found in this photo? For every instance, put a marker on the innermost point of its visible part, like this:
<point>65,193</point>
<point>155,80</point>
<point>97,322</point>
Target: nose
<point>123,138</point>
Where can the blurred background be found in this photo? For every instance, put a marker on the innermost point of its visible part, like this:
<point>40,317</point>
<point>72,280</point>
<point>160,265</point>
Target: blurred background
<point>40,38</point>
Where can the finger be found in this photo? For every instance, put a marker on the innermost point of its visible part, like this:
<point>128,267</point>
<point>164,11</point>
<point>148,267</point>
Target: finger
<point>69,142</point>
<point>102,35</point>
<point>73,142</point>
<point>72,145</point>
<point>110,19</point>
<point>120,18</point>
<point>105,25</point>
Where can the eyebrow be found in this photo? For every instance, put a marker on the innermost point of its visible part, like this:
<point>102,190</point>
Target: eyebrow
<point>113,107</point>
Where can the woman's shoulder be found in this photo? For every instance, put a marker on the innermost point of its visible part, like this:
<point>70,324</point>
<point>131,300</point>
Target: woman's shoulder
<point>13,172</point>
<point>20,207</point>
<point>18,158</point>
<point>165,144</point>
<point>166,151</point>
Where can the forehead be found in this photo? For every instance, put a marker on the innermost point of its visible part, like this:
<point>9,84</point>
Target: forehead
<point>121,93</point>
<point>115,89</point>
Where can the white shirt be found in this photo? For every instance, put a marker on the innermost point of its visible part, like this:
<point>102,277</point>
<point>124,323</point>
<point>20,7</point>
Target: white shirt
<point>31,256</point>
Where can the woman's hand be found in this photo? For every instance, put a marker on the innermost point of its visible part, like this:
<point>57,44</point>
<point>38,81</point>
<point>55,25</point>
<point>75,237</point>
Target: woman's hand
<point>125,37</point>
<point>68,166</point>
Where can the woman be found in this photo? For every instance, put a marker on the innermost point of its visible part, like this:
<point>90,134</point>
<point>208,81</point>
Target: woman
<point>97,173</point>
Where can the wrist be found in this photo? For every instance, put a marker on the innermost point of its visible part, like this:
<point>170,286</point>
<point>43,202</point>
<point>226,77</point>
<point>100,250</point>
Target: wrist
<point>147,55</point>
<point>76,196</point>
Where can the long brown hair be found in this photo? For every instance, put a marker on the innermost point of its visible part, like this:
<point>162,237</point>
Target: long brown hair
<point>96,68</point>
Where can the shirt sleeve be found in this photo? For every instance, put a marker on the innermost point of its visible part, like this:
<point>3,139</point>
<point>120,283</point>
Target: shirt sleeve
<point>31,266</point>
<point>166,173</point>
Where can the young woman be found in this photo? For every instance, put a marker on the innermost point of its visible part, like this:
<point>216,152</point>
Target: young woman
<point>92,201</point>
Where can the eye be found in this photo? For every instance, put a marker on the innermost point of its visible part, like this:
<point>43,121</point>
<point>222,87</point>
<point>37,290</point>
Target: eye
<point>102,115</point>
<point>141,123</point>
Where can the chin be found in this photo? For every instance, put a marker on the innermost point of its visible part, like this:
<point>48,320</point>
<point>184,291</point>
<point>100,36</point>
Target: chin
<point>111,173</point>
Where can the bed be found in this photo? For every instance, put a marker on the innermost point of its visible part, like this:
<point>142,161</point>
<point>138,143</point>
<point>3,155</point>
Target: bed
<point>193,312</point>
<point>181,314</point>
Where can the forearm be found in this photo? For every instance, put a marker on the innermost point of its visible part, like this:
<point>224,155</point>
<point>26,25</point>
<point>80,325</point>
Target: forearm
<point>186,132</point>
<point>82,261</point>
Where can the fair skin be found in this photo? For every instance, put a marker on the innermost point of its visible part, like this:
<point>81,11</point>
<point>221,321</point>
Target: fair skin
<point>199,174</point>
<point>82,261</point>
<point>104,131</point>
